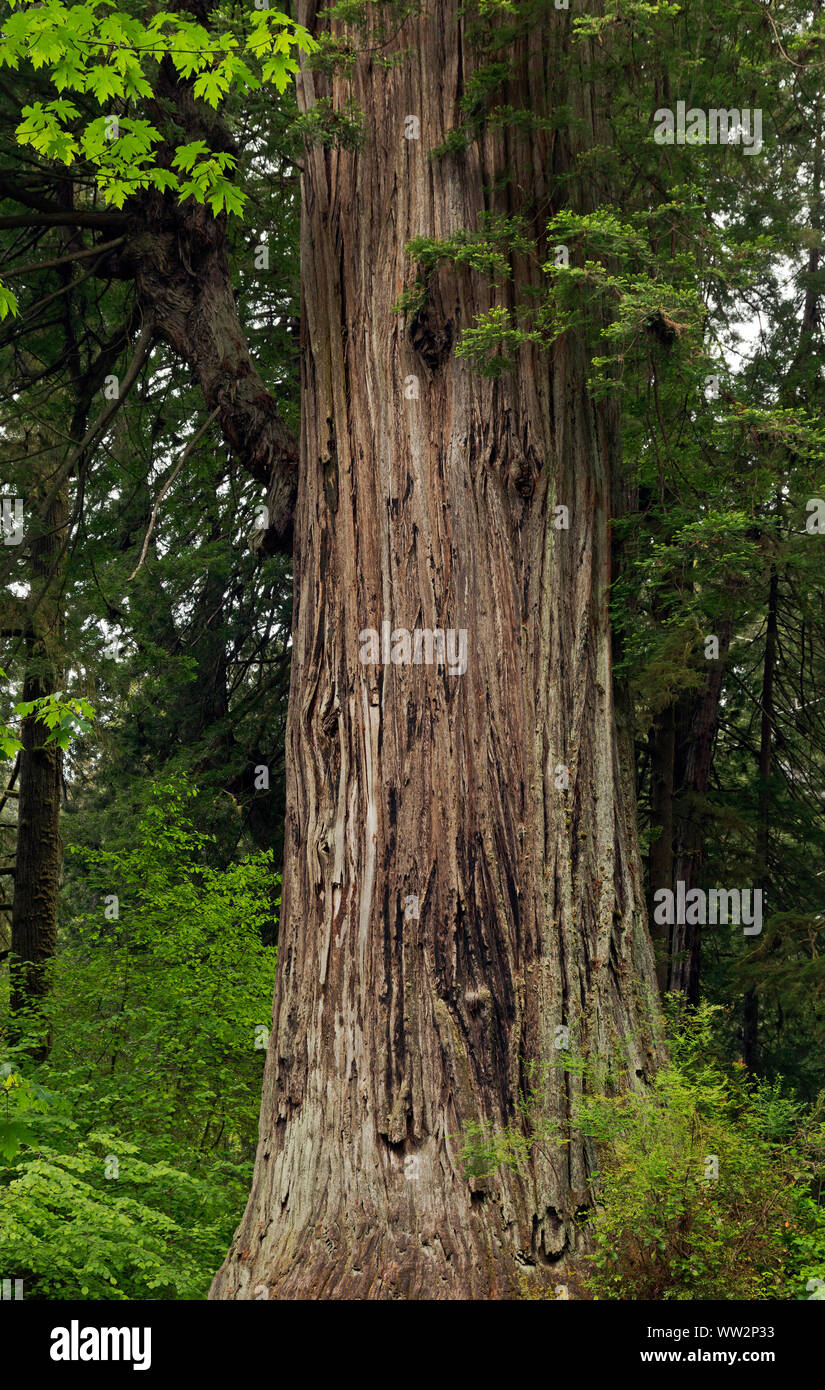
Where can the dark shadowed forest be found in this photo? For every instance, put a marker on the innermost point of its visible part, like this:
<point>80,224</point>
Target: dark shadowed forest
<point>413,614</point>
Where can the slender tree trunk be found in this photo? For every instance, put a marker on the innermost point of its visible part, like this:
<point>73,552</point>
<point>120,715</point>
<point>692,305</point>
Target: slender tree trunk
<point>39,850</point>
<point>697,724</point>
<point>662,745</point>
<point>178,258</point>
<point>38,858</point>
<point>448,905</point>
<point>750,1032</point>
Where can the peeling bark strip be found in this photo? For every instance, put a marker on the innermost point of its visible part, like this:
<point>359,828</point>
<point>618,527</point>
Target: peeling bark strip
<point>394,1028</point>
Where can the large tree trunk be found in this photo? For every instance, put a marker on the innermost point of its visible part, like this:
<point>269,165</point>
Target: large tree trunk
<point>447,906</point>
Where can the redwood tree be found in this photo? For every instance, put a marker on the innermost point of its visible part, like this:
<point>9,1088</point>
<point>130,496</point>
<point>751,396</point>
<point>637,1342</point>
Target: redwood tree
<point>449,903</point>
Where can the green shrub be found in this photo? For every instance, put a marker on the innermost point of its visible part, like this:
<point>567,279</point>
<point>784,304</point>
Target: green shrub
<point>706,1182</point>
<point>126,1157</point>
<point>154,1232</point>
<point>710,1182</point>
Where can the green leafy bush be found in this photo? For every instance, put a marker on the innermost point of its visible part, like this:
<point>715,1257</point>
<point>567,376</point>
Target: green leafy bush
<point>126,1158</point>
<point>153,1232</point>
<point>710,1182</point>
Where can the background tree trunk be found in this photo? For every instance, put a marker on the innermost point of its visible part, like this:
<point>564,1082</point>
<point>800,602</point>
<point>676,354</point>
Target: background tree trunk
<point>662,744</point>
<point>39,849</point>
<point>697,724</point>
<point>413,790</point>
<point>767,725</point>
<point>39,855</point>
